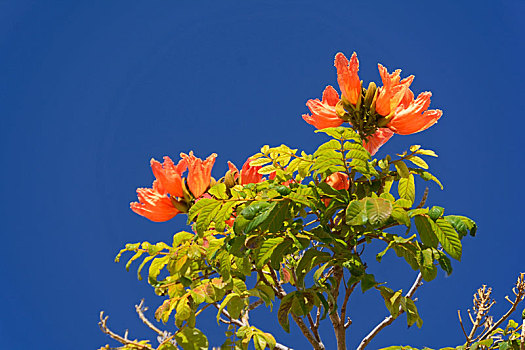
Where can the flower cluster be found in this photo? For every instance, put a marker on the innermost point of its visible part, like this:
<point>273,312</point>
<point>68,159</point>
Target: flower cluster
<point>376,113</point>
<point>170,191</point>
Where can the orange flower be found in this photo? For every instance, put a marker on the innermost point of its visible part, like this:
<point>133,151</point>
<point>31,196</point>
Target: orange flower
<point>169,176</point>
<point>248,174</point>
<point>323,112</point>
<point>199,172</point>
<point>413,117</point>
<point>395,101</point>
<point>153,205</point>
<point>347,77</point>
<point>377,140</point>
<point>393,91</point>
<point>338,180</point>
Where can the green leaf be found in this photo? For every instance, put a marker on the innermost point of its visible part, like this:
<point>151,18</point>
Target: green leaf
<point>311,258</point>
<point>191,339</point>
<point>401,216</point>
<point>218,190</point>
<point>284,310</point>
<point>426,265</point>
<point>356,213</point>
<point>436,212</point>
<point>419,162</point>
<point>183,309</point>
<point>426,152</point>
<point>426,231</point>
<point>402,169</point>
<point>139,270</point>
<point>278,253</point>
<point>155,267</point>
<point>235,306</point>
<point>462,225</point>
<point>378,211</point>
<point>266,250</point>
<point>223,305</point>
<point>367,281</point>
<point>448,238</point>
<point>133,258</point>
<point>181,237</point>
<point>407,188</point>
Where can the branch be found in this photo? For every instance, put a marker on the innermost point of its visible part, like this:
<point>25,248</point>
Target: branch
<point>520,294</point>
<point>140,311</point>
<point>304,329</point>
<point>123,340</point>
<point>239,323</point>
<point>388,320</point>
<point>345,303</point>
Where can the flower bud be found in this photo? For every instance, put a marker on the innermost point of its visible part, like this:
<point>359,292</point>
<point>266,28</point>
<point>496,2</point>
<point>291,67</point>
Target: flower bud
<point>370,93</point>
<point>341,112</point>
<point>179,205</point>
<point>229,179</point>
<point>187,195</point>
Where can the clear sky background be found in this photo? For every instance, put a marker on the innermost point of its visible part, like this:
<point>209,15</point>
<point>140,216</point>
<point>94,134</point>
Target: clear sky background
<point>91,90</point>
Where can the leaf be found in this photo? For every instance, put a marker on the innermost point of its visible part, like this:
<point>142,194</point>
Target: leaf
<point>402,169</point>
<point>223,305</point>
<point>448,238</point>
<point>436,212</point>
<point>155,267</point>
<point>191,339</point>
<point>311,258</point>
<point>183,309</point>
<point>407,188</point>
<point>419,162</point>
<point>235,306</point>
<point>378,211</point>
<point>266,250</point>
<point>367,281</point>
<point>462,224</point>
<point>401,216</point>
<point>426,231</point>
<point>139,270</point>
<point>199,206</point>
<point>356,213</point>
<point>206,216</point>
<point>284,310</point>
<point>426,265</point>
<point>278,253</point>
<point>426,152</point>
<point>218,190</point>
<point>181,237</point>
<point>260,217</point>
<point>133,258</point>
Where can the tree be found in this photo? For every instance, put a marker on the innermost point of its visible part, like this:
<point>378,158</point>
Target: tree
<point>294,226</point>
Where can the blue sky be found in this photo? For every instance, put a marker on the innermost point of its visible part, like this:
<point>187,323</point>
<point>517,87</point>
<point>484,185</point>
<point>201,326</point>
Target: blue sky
<point>90,91</point>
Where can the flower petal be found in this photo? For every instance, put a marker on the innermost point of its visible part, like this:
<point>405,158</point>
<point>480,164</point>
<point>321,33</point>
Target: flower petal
<point>153,205</point>
<point>378,139</point>
<point>199,172</point>
<point>347,77</point>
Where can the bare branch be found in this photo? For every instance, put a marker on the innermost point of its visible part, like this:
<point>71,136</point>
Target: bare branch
<point>388,320</point>
<point>461,323</point>
<point>519,292</point>
<point>123,340</point>
<point>140,308</point>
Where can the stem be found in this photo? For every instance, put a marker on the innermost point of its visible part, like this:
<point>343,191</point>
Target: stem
<point>388,320</point>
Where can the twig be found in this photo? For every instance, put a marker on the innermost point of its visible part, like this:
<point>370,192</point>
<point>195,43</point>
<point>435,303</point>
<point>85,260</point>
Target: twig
<point>239,323</point>
<point>345,301</point>
<point>423,199</point>
<point>520,294</point>
<point>140,311</point>
<point>388,320</point>
<point>522,337</point>
<point>123,340</point>
<point>304,329</point>
<point>461,323</point>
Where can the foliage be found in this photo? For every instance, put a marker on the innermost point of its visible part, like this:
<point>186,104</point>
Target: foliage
<point>288,232</point>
